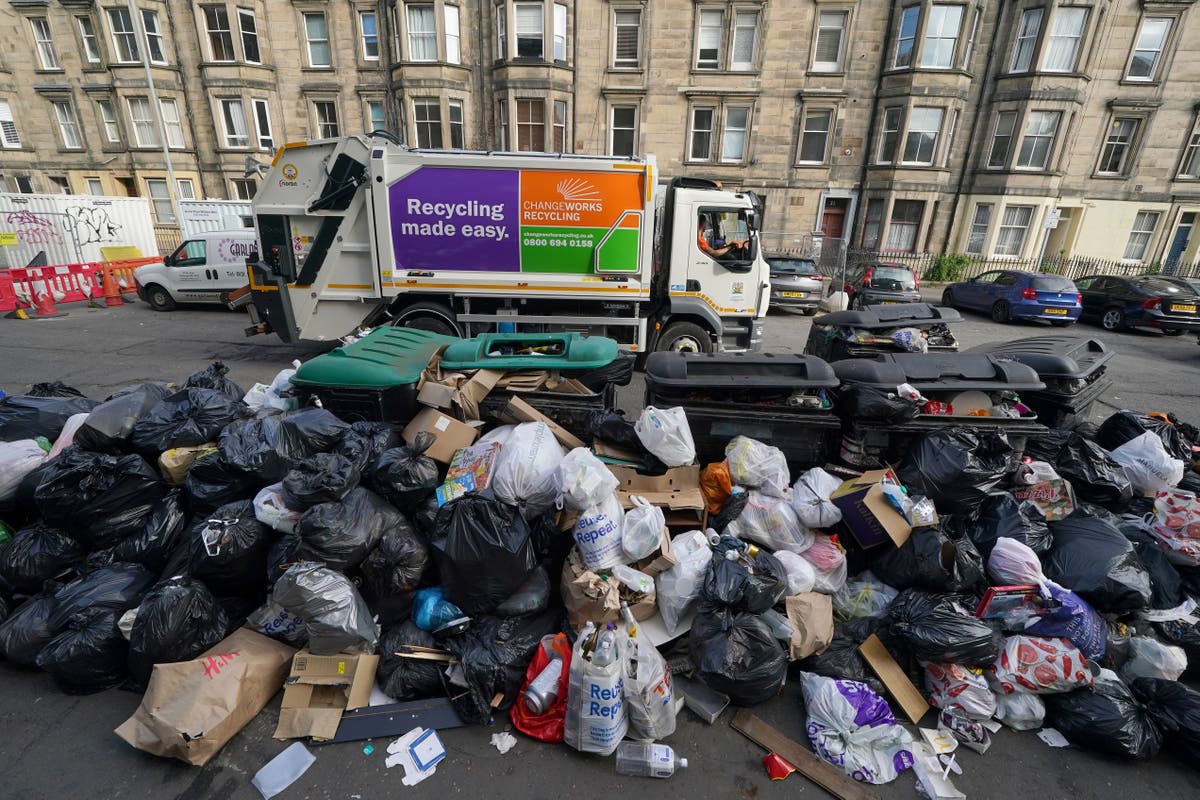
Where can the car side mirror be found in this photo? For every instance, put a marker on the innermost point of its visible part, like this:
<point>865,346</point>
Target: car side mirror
<point>168,260</point>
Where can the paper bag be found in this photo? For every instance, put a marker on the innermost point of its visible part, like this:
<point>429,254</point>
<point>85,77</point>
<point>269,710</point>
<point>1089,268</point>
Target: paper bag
<point>176,462</point>
<point>811,617</point>
<point>192,708</point>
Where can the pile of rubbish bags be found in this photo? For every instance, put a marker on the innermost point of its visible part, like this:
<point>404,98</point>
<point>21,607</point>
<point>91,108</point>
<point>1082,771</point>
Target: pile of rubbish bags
<point>1055,588</point>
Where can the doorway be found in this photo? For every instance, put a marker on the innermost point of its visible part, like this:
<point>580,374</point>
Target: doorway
<point>833,217</point>
<point>1180,242</point>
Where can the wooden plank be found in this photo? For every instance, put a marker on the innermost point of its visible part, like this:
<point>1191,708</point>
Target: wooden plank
<point>898,685</point>
<point>828,777</point>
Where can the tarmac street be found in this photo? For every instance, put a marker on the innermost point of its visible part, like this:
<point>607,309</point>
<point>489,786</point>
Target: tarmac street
<point>55,746</point>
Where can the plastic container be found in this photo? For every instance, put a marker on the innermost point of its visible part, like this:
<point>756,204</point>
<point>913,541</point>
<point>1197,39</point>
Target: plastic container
<point>825,340</point>
<point>564,352</point>
<point>648,760</point>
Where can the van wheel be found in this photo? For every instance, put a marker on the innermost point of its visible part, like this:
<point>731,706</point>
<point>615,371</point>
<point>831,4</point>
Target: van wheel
<point>159,298</point>
<point>430,317</point>
<point>685,337</point>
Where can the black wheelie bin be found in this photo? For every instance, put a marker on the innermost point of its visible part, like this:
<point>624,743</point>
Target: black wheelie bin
<point>783,399</point>
<point>1072,367</point>
<point>976,380</point>
<point>867,333</point>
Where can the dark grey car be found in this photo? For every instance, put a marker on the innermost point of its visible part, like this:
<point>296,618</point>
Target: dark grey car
<point>795,283</point>
<point>881,283</point>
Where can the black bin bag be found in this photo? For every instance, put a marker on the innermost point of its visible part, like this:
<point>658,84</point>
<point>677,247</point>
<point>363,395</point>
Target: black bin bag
<point>408,678</point>
<point>841,659</point>
<point>939,628</point>
<point>366,441</point>
<point>1106,718</point>
<point>109,426</point>
<point>392,572</point>
<point>1125,426</point>
<point>957,467</point>
<point>28,417</point>
<point>1175,708</point>
<point>735,652</point>
<point>405,475</point>
<point>267,447</point>
<point>118,587</point>
<point>325,478</point>
<point>1186,634</point>
<point>188,417</point>
<point>741,587</point>
<point>229,551</point>
<point>1003,516</point>
<point>484,552</point>
<point>931,561</point>
<point>164,533</point>
<point>494,654</point>
<point>36,554</point>
<point>868,404</point>
<point>1093,474</point>
<point>213,377</point>
<point>99,498</point>
<point>89,654</point>
<point>177,620</point>
<point>27,629</point>
<point>341,534</point>
<point>1092,558</point>
<point>213,482</point>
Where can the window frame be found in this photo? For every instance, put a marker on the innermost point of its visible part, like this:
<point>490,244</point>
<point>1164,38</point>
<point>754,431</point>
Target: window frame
<point>1127,156</point>
<point>884,130</point>
<point>94,184</point>
<point>716,62</point>
<point>70,123</point>
<point>213,35</point>
<point>744,155</point>
<point>555,37</point>
<point>88,35</point>
<point>190,194</point>
<point>110,125</point>
<point>711,131</point>
<point>240,183</point>
<point>1149,235</point>
<point>414,36</point>
<point>261,109</point>
<point>916,226</point>
<point>61,183</point>
<point>320,122</point>
<point>252,34</point>
<point>502,31</point>
<point>1033,39</point>
<point>1048,161</point>
<point>908,132</point>
<point>1050,37</point>
<point>156,37</point>
<point>1190,154</point>
<point>617,62</point>
<point>169,126</point>
<point>805,113</point>
<point>633,129</point>
<point>148,120</point>
<point>453,54</point>
<point>736,26</point>
<point>43,44</point>
<point>560,143</point>
<point>309,41</point>
<point>530,103</point>
<point>529,35</point>
<point>155,201</point>
<point>1010,137</point>
<point>830,67</point>
<point>10,138</point>
<point>1156,67</point>
<point>369,117</point>
<point>231,139</point>
<point>364,38</point>
<point>926,38</point>
<point>456,128</point>
<point>433,124</point>
<point>973,229</point>
<point>911,54</point>
<point>1001,227</point>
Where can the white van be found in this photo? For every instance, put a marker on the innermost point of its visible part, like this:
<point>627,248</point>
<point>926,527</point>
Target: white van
<point>199,271</point>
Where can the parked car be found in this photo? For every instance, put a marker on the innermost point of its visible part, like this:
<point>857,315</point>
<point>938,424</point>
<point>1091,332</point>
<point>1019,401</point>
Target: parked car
<point>199,271</point>
<point>1148,301</point>
<point>879,284</point>
<point>1009,294</point>
<point>1186,283</point>
<point>795,283</point>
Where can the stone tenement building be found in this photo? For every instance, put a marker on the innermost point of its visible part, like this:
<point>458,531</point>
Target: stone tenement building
<point>902,126</point>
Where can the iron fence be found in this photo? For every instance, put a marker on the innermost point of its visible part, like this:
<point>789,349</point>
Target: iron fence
<point>1073,268</point>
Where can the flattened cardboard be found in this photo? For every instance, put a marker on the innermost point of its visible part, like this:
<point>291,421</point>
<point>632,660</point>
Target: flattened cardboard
<point>866,512</point>
<point>677,492</point>
<point>436,395</point>
<point>660,560</point>
<point>448,434</point>
<point>518,411</point>
<point>898,685</point>
<point>471,392</point>
<point>319,689</point>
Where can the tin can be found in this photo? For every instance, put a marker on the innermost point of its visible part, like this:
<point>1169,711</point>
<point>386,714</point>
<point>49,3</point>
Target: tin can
<point>543,690</point>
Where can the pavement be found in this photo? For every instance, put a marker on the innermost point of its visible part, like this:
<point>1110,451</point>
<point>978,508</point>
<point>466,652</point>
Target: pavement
<point>55,746</point>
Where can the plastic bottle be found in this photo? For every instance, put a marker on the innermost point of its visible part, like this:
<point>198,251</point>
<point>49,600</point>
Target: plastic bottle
<point>648,760</point>
<point>636,580</point>
<point>606,647</point>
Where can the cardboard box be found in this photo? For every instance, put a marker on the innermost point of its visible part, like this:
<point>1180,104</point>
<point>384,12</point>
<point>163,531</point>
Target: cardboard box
<point>588,596</point>
<point>472,391</point>
<point>677,492</point>
<point>448,434</point>
<point>866,512</point>
<point>518,411</point>
<point>1054,497</point>
<point>660,561</point>
<point>319,689</point>
<point>436,395</point>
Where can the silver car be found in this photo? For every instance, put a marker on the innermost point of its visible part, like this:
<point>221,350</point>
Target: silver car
<point>795,283</point>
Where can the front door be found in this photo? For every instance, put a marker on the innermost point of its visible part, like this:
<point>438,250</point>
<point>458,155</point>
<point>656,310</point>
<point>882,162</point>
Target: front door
<point>1179,245</point>
<point>833,217</point>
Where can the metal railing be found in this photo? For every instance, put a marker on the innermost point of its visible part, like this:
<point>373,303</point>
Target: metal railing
<point>1073,267</point>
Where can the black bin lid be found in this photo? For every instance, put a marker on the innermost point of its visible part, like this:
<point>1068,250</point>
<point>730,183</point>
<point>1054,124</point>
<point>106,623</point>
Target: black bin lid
<point>882,317</point>
<point>939,372</point>
<point>1070,357</point>
<point>750,371</point>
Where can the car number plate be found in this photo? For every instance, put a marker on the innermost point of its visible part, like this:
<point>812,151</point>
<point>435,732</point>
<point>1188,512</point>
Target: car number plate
<point>1062,311</point>
<point>1188,309</point>
<point>889,302</point>
<point>793,294</point>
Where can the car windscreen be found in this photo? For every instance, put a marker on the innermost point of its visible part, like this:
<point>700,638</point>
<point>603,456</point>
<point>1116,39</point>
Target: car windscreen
<point>792,266</point>
<point>1053,283</point>
<point>893,278</point>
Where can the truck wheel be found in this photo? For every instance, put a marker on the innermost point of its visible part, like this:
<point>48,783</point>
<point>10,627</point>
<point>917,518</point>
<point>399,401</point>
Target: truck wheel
<point>685,337</point>
<point>159,298</point>
<point>429,317</point>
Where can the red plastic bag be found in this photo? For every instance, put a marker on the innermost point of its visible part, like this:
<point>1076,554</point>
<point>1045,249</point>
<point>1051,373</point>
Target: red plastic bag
<point>717,485</point>
<point>547,727</point>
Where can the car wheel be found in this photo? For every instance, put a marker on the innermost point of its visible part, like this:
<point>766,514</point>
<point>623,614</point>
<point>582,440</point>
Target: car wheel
<point>809,312</point>
<point>430,317</point>
<point>159,298</point>
<point>685,337</point>
<point>1113,320</point>
<point>856,302</point>
<point>948,299</point>
<point>1001,311</point>
<point>1173,332</point>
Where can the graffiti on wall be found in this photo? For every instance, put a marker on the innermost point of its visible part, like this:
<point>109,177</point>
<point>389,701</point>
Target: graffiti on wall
<point>92,225</point>
<point>33,229</point>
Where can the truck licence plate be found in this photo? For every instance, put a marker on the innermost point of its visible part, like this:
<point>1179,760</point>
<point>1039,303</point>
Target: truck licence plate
<point>793,294</point>
<point>1062,311</point>
<point>1188,309</point>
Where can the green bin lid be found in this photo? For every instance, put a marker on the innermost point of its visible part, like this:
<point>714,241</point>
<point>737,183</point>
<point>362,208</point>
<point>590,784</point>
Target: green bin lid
<point>384,358</point>
<point>559,351</point>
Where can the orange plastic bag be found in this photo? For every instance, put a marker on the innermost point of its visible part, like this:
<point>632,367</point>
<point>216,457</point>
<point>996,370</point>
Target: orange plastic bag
<point>717,485</point>
<point>548,726</point>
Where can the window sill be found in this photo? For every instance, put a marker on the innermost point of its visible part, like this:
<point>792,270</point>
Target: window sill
<point>702,71</point>
<point>962,73</point>
<point>625,70</point>
<point>410,63</point>
<point>1152,83</point>
<point>826,73</point>
<point>219,64</point>
<point>1109,176</point>
<point>95,68</point>
<point>812,165</point>
<point>730,164</point>
<point>315,69</point>
<point>56,71</point>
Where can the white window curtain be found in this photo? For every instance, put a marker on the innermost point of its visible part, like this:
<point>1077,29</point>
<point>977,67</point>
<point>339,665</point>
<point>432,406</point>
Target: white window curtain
<point>1062,46</point>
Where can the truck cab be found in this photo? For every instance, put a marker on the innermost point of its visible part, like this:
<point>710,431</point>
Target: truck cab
<point>200,270</point>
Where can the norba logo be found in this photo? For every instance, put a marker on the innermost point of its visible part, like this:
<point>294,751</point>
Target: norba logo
<point>578,196</point>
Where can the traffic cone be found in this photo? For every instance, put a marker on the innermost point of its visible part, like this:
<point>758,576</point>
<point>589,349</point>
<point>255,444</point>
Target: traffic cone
<point>43,302</point>
<point>112,292</point>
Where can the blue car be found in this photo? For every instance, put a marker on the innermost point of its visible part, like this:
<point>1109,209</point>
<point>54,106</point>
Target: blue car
<point>1009,294</point>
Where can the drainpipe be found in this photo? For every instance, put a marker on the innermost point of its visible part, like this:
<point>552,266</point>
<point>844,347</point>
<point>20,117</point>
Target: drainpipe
<point>985,95</point>
<point>143,42</point>
<point>569,146</point>
<point>868,147</point>
<point>187,106</point>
